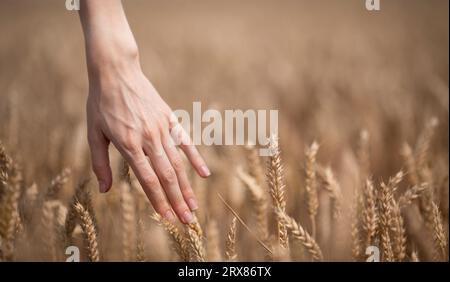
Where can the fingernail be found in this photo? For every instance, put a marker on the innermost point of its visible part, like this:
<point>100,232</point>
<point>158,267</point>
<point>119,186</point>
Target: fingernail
<point>205,171</point>
<point>192,204</point>
<point>187,217</point>
<point>169,216</point>
<point>102,186</point>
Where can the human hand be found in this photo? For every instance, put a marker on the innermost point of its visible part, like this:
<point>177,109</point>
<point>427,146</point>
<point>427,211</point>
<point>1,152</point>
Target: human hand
<point>124,108</point>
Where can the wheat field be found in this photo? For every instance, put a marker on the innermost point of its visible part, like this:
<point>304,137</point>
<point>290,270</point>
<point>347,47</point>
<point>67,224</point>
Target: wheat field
<point>361,158</point>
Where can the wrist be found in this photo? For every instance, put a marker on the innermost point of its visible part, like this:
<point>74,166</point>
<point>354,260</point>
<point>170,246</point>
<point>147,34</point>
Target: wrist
<point>105,55</point>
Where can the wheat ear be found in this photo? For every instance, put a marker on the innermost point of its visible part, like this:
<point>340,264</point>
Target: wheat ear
<point>277,187</point>
<point>259,203</point>
<point>370,216</point>
<point>128,221</point>
<point>10,190</point>
<point>399,232</point>
<point>231,241</point>
<point>440,239</point>
<point>195,241</point>
<point>81,194</point>
<point>179,243</point>
<point>140,252</point>
<point>90,234</point>
<point>312,199</point>
<point>411,194</point>
<point>300,235</point>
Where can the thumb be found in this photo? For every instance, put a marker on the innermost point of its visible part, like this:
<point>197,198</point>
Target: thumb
<point>100,161</point>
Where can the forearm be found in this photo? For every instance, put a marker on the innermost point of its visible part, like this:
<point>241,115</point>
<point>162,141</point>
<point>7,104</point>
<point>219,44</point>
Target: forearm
<point>108,37</point>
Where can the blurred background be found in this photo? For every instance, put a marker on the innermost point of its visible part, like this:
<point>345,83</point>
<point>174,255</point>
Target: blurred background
<point>331,68</point>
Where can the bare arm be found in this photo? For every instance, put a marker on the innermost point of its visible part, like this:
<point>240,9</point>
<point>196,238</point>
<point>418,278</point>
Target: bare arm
<point>123,108</point>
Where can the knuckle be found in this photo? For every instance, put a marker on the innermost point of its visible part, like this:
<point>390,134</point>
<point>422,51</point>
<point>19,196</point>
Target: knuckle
<point>177,164</point>
<point>151,182</point>
<point>130,145</point>
<point>150,134</point>
<point>168,175</point>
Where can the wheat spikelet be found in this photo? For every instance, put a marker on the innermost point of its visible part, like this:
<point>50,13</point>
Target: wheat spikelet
<point>128,221</point>
<point>370,216</point>
<point>213,243</point>
<point>311,185</point>
<point>440,240</point>
<point>179,243</point>
<point>89,232</point>
<point>195,244</point>
<point>411,194</point>
<point>231,241</point>
<point>277,187</point>
<point>259,203</point>
<point>299,234</point>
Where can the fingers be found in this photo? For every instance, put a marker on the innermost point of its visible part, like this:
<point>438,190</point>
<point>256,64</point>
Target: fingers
<point>183,181</point>
<point>184,141</point>
<point>149,182</point>
<point>98,145</point>
<point>168,178</point>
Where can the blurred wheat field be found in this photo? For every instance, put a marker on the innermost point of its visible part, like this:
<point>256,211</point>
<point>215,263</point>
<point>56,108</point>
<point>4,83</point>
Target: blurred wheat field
<point>363,132</point>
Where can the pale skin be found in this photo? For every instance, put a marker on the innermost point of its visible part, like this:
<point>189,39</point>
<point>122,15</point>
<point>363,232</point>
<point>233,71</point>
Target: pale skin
<point>123,108</point>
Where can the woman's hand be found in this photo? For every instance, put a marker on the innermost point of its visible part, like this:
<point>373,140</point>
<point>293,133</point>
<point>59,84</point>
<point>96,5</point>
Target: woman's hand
<point>124,108</point>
